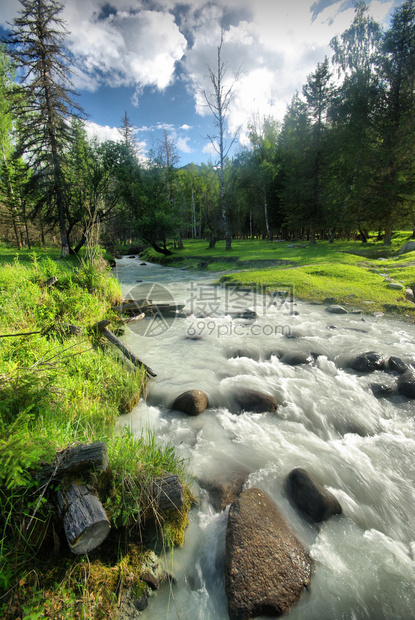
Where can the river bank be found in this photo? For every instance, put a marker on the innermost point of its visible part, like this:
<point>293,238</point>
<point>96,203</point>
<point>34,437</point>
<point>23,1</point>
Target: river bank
<point>349,273</point>
<point>63,385</point>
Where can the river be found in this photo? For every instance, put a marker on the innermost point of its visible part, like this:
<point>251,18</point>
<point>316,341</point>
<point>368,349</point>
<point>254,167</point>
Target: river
<point>359,447</point>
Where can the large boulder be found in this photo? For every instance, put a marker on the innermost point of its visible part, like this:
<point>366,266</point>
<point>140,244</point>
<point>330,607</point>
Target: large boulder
<point>408,247</point>
<point>368,362</point>
<point>266,566</point>
<point>406,384</point>
<point>191,402</point>
<point>310,497</point>
<point>246,399</point>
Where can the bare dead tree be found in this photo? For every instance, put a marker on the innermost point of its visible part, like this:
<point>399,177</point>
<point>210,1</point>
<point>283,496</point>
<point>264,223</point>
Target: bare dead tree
<point>218,99</point>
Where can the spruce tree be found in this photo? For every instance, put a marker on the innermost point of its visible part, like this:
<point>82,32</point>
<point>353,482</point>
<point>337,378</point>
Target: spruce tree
<point>44,99</point>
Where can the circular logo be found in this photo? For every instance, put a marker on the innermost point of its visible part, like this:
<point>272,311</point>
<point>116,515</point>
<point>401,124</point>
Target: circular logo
<point>156,303</point>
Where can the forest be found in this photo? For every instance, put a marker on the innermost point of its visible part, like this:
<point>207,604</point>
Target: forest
<point>339,165</point>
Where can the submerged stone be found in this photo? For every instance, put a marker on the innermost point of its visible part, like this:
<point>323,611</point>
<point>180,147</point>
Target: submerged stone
<point>310,497</point>
<point>406,384</point>
<point>191,402</point>
<point>336,309</point>
<point>368,362</point>
<point>296,358</point>
<point>251,400</point>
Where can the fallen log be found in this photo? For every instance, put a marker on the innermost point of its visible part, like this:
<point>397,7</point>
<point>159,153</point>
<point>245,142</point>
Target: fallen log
<point>85,521</point>
<point>21,334</point>
<point>76,460</point>
<point>168,493</point>
<point>101,328</point>
<point>132,305</point>
<point>51,282</point>
<point>149,309</point>
<point>137,317</point>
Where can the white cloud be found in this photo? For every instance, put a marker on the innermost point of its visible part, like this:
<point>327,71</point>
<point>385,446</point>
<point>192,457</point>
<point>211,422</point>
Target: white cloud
<point>211,149</point>
<point>138,43</point>
<point>182,145</point>
<point>276,49</point>
<point>132,47</point>
<point>105,132</point>
<point>102,132</point>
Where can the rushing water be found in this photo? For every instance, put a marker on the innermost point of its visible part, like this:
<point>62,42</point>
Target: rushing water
<point>329,422</point>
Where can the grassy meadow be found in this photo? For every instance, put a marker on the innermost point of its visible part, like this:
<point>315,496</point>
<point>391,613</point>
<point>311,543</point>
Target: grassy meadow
<point>350,272</point>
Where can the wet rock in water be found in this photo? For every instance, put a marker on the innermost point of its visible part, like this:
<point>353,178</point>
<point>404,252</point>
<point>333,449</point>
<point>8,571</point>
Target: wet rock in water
<point>150,580</point>
<point>245,314</point>
<point>141,603</point>
<point>143,264</point>
<point>334,309</point>
<point>397,365</point>
<point>251,400</point>
<point>310,497</point>
<point>406,384</point>
<point>224,488</point>
<point>368,362</point>
<point>381,390</point>
<point>267,567</point>
<point>191,402</point>
<point>296,358</point>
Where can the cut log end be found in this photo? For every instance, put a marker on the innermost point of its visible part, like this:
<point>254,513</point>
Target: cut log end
<point>168,493</point>
<point>90,538</point>
<point>85,522</point>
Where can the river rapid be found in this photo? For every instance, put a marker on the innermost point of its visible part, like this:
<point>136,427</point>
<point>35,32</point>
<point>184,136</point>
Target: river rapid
<point>359,447</point>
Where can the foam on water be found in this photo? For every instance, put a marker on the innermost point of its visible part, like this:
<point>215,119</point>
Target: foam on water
<point>328,421</point>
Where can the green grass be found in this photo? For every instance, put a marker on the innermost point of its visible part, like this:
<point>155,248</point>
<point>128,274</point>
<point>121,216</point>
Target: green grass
<point>344,270</point>
<point>56,390</point>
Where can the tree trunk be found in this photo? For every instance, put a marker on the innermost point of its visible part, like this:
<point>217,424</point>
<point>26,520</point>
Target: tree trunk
<point>212,242</point>
<point>80,244</point>
<point>269,236</point>
<point>387,239</point>
<point>313,234</point>
<point>160,250</point>
<point>362,234</point>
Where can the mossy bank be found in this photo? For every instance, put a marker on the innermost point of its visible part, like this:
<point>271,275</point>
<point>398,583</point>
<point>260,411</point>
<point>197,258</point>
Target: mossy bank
<point>347,272</point>
<point>61,386</point>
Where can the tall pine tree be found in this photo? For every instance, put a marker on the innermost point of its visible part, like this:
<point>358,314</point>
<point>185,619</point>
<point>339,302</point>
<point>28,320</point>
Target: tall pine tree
<point>44,99</point>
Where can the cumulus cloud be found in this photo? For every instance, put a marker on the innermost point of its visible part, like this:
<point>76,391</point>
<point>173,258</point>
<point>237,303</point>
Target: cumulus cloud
<point>211,148</point>
<point>104,132</point>
<point>273,52</point>
<point>124,48</point>
<point>271,44</point>
<point>183,145</point>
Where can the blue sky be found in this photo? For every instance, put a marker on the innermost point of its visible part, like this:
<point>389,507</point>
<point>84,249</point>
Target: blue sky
<point>149,58</point>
